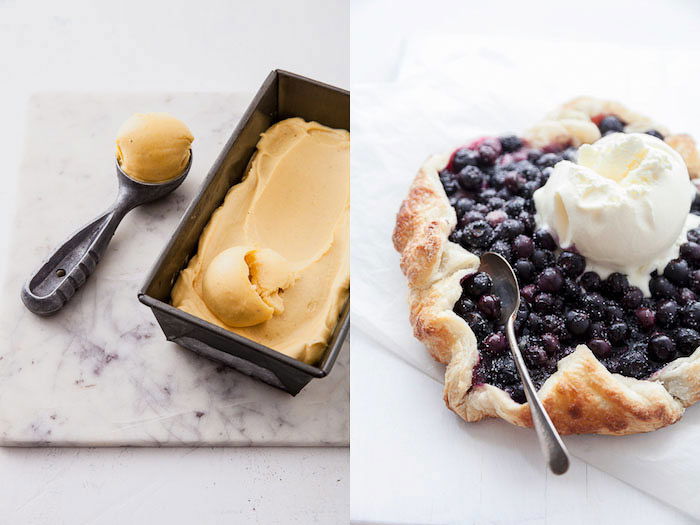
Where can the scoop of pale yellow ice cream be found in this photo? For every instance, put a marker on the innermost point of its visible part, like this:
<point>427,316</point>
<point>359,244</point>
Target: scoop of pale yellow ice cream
<point>242,285</point>
<point>153,147</point>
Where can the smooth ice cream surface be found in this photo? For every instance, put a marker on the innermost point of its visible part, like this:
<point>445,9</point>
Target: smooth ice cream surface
<point>273,262</point>
<point>153,147</point>
<point>624,205</point>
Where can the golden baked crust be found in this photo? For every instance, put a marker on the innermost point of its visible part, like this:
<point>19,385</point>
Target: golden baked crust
<point>582,396</point>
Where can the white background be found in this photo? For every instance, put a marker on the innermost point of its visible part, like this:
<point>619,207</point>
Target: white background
<point>400,465</point>
<point>163,45</point>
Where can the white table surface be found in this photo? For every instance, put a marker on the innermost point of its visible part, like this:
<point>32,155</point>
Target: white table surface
<point>137,45</point>
<point>396,465</point>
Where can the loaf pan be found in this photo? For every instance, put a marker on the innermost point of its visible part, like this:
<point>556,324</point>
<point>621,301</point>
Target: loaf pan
<point>282,95</point>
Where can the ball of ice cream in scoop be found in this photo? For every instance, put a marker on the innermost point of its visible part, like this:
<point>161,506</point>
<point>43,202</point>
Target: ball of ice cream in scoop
<point>624,204</point>
<point>153,147</point>
<point>242,285</point>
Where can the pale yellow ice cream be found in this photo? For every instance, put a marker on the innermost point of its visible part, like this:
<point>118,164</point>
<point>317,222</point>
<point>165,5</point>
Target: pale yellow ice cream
<point>153,147</point>
<point>242,285</point>
<point>288,224</point>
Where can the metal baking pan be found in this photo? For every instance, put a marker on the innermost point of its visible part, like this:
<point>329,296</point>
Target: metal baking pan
<point>281,96</point>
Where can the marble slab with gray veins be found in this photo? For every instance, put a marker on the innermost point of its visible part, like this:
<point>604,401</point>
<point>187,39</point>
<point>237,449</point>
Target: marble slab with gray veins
<point>101,372</point>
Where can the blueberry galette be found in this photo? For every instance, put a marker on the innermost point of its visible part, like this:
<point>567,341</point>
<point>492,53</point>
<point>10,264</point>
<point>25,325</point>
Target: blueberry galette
<point>596,210</point>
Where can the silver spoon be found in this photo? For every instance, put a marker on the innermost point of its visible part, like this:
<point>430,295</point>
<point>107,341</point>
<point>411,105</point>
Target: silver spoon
<point>67,269</point>
<point>506,287</point>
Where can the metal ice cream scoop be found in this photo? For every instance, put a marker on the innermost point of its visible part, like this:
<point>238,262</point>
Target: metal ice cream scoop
<point>506,287</point>
<point>67,269</point>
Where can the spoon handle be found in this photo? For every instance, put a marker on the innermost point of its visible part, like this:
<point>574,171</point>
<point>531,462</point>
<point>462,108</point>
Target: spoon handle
<point>67,269</point>
<point>553,448</point>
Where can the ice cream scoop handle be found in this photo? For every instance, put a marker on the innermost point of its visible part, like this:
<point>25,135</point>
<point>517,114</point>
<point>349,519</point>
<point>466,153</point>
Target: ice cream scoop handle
<point>67,269</point>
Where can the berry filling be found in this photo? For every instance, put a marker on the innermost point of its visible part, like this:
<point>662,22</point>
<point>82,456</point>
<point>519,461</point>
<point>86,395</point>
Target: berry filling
<point>490,184</point>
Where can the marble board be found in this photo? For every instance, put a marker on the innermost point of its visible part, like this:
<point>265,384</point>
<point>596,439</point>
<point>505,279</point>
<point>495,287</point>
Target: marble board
<point>100,372</point>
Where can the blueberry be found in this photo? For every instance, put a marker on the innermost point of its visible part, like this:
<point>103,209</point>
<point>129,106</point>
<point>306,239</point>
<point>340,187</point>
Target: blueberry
<point>571,291</point>
<point>690,315</point>
<point>490,306</point>
<point>667,313</point>
<point>464,306</point>
<point>477,284</point>
<point>495,203</point>
<point>478,324</point>
<point>495,342</point>
<point>550,343</point>
<point>471,178</point>
<point>661,287</point>
<point>617,332</point>
<point>478,234</point>
<point>524,271</point>
<point>527,169</point>
<point>591,281</point>
<point>577,322</point>
<point>634,362</point>
<point>471,216</point>
<point>661,348</point>
<point>695,281</point>
<point>487,155</point>
<point>464,157</point>
<point>496,217</point>
<point>510,229</point>
<point>687,341</point>
<point>481,208</point>
<point>517,393</point>
<point>502,248</point>
<point>611,124</point>
<point>632,298</point>
<point>550,280</point>
<point>451,186</point>
<point>615,285</point>
<point>678,272</point>
<point>690,251</point>
<point>510,143</point>
<point>529,188</point>
<point>571,264</point>
<point>646,317</point>
<point>686,296</point>
<point>463,205</point>
<point>535,355</point>
<point>535,323</point>
<point>598,331</point>
<point>694,235</point>
<point>514,206</point>
<point>613,312</point>
<point>513,181</point>
<point>528,292</point>
<point>527,219</point>
<point>504,370</point>
<point>654,133</point>
<point>523,246</point>
<point>456,236</point>
<point>543,303</point>
<point>600,347</point>
<point>548,160</point>
<point>593,304</point>
<point>542,259</point>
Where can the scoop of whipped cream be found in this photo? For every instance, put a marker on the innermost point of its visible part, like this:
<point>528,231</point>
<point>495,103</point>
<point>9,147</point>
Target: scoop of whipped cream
<point>624,205</point>
<point>242,285</point>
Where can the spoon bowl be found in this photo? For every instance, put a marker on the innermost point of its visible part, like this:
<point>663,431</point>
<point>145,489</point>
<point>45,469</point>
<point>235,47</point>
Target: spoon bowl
<point>505,286</point>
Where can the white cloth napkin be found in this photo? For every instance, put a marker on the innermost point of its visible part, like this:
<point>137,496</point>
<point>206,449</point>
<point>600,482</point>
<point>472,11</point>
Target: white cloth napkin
<point>453,88</point>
